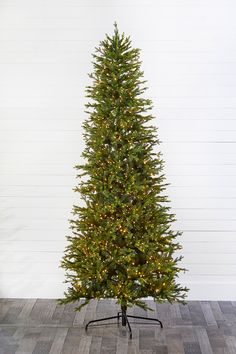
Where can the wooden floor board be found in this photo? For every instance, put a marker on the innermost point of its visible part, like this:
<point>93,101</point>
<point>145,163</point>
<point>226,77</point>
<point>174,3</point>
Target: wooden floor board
<point>40,326</point>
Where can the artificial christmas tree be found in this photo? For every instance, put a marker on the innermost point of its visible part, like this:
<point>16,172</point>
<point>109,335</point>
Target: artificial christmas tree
<point>122,245</point>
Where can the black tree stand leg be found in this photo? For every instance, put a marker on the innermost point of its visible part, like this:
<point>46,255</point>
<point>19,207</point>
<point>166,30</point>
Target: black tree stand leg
<point>124,319</point>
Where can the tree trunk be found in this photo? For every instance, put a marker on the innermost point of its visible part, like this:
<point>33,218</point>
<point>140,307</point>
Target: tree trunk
<point>123,314</point>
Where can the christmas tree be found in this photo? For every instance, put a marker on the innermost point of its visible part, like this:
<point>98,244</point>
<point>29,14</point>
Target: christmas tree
<point>122,245</point>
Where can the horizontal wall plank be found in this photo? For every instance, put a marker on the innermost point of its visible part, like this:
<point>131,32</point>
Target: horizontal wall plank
<point>73,136</point>
<point>183,278</point>
<point>175,192</point>
<point>72,148</point>
<point>60,212</point>
<point>55,256</point>
<point>67,202</point>
<point>205,226</point>
<point>44,113</point>
<point>59,245</point>
<point>34,232</point>
<point>169,169</point>
<point>22,127</point>
<point>53,268</point>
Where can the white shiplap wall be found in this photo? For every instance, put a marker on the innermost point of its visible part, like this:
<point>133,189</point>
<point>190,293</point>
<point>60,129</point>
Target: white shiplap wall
<point>189,60</point>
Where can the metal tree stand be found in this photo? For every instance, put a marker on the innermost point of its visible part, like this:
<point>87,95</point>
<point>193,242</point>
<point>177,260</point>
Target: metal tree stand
<point>124,319</point>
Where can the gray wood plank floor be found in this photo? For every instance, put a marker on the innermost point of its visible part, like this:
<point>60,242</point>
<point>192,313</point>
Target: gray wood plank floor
<point>42,326</point>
